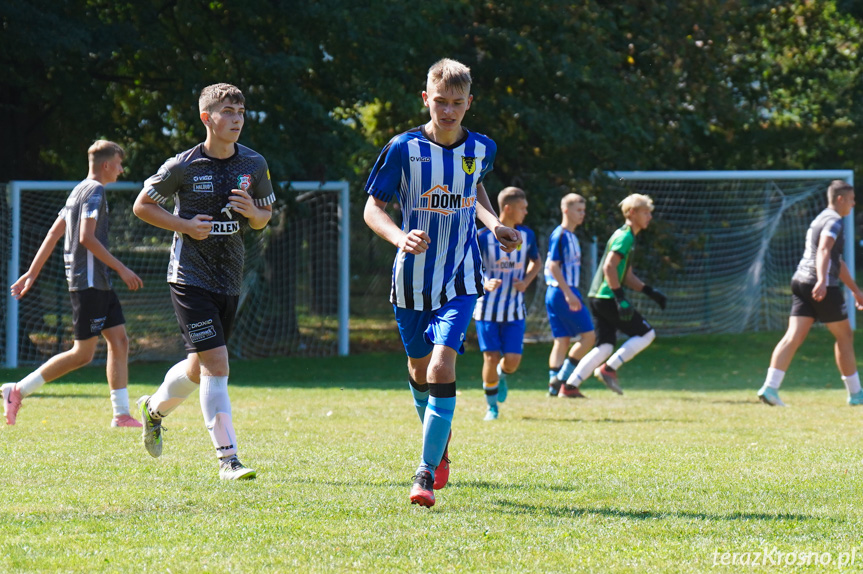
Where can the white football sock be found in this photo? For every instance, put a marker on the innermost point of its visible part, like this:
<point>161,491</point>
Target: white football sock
<point>630,348</point>
<point>30,384</point>
<point>120,401</point>
<point>588,364</point>
<point>774,378</point>
<point>852,383</point>
<point>216,407</point>
<point>175,389</point>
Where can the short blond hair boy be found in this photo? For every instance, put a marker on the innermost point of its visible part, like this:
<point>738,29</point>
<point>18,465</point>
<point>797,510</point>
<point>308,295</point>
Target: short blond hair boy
<point>635,201</point>
<point>449,75</point>
<point>104,150</point>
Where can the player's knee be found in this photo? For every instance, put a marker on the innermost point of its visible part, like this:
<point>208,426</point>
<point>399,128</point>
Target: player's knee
<point>649,336</point>
<point>511,363</point>
<point>441,372</point>
<point>119,342</point>
<point>588,339</point>
<point>82,356</point>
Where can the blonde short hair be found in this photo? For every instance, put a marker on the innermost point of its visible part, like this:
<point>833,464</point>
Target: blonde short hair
<point>509,195</point>
<point>212,96</point>
<point>570,199</point>
<point>104,150</point>
<point>449,75</point>
<point>635,201</point>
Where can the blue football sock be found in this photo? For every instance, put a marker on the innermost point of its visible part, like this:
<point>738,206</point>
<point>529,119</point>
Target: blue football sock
<point>567,369</point>
<point>421,397</point>
<point>553,372</point>
<point>437,425</point>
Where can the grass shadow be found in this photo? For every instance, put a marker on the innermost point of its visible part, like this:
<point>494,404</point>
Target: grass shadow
<point>603,420</point>
<point>574,511</point>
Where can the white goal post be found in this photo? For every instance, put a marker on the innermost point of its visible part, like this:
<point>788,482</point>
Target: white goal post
<point>304,253</point>
<point>757,217</point>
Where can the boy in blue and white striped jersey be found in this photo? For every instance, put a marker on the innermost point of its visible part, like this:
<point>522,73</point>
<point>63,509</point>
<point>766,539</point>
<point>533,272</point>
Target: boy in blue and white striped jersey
<point>567,313</point>
<point>436,172</point>
<point>500,312</point>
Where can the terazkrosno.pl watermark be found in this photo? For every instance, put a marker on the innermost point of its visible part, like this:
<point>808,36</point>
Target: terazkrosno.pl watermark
<point>775,557</point>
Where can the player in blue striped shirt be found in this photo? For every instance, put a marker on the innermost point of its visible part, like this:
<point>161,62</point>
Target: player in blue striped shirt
<point>567,314</point>
<point>436,171</point>
<point>500,313</point>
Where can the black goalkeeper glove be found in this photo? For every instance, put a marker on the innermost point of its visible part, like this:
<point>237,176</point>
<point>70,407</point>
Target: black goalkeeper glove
<point>624,307</point>
<point>656,295</point>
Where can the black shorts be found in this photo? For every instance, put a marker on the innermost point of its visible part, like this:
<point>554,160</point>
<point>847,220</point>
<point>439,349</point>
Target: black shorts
<point>94,310</point>
<point>608,322</point>
<point>206,318</point>
<point>829,310</point>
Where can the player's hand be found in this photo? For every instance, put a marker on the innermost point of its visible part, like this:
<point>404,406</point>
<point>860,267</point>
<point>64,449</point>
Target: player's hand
<point>625,309</point>
<point>858,300</point>
<point>656,295</point>
<point>509,238</point>
<point>22,285</point>
<point>492,284</point>
<point>819,291</point>
<point>242,203</point>
<point>132,281</point>
<point>520,286</point>
<point>416,241</point>
<point>573,301</point>
<point>199,227</point>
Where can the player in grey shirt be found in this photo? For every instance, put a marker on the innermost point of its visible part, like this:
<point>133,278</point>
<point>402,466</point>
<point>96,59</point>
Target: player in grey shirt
<point>827,224</point>
<point>95,307</point>
<point>221,190</point>
<point>816,295</point>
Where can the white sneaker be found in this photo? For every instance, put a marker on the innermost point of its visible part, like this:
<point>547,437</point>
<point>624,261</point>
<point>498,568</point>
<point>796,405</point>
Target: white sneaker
<point>231,468</point>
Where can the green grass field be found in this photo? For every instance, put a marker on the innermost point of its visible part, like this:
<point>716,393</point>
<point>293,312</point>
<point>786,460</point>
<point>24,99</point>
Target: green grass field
<point>686,467</point>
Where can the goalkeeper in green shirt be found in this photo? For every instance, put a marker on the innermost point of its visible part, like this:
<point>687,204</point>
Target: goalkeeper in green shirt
<point>611,309</point>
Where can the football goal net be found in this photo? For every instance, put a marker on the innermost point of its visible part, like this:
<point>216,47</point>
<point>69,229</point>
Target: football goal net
<point>738,237</point>
<point>295,284</point>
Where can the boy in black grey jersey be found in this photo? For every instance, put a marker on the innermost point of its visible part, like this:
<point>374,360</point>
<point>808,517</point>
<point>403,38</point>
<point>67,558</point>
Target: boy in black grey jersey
<point>95,307</point>
<point>221,189</point>
<point>817,295</point>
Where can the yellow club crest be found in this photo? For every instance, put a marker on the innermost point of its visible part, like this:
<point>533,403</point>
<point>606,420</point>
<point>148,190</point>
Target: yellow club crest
<point>468,164</point>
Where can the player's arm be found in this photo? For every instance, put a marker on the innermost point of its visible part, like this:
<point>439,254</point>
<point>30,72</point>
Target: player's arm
<point>557,272</point>
<point>87,238</point>
<point>148,210</point>
<point>509,238</point>
<point>609,270</point>
<point>243,203</point>
<point>416,241</point>
<point>633,282</point>
<point>612,277</point>
<point>822,264</point>
<point>533,267</point>
<point>26,281</point>
<point>848,281</point>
